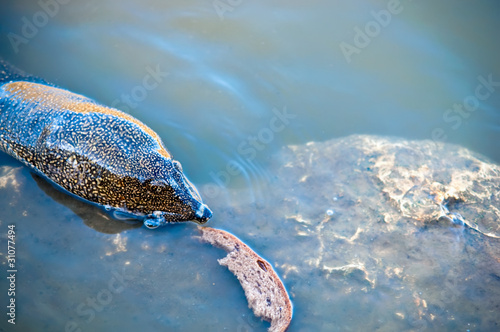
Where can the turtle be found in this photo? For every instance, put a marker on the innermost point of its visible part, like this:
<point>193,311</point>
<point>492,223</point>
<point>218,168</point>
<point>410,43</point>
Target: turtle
<point>97,153</point>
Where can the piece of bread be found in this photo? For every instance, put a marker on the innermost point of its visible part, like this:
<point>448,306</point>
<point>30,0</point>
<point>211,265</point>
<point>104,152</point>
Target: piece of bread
<point>265,292</point>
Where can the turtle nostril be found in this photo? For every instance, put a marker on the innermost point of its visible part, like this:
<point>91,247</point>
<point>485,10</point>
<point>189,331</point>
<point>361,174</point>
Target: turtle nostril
<point>203,213</point>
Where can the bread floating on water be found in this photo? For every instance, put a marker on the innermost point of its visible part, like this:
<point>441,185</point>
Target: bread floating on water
<point>265,292</point>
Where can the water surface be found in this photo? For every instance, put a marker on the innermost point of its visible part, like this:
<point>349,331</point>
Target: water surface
<point>226,91</point>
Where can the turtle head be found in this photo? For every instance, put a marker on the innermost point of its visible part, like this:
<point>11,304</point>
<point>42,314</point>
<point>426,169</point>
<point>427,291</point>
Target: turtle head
<point>167,195</point>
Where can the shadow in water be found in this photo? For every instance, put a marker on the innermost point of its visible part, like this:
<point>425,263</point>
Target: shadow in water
<point>92,216</point>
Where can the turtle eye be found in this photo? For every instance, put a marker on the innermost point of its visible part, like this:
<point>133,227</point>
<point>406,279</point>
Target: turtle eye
<point>177,166</point>
<point>157,186</point>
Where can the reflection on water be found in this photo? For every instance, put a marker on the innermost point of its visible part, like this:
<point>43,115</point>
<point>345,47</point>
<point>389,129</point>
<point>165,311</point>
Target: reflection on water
<point>220,77</point>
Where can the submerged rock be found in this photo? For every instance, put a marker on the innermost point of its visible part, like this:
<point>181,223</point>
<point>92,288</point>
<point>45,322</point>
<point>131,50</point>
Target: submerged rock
<point>394,234</point>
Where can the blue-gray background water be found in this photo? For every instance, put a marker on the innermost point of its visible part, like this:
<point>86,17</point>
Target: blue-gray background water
<point>228,84</point>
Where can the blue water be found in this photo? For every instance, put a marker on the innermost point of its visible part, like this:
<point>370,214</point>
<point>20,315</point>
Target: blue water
<point>214,83</point>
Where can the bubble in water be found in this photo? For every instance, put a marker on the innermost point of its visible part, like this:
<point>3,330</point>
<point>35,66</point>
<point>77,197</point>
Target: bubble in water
<point>330,212</point>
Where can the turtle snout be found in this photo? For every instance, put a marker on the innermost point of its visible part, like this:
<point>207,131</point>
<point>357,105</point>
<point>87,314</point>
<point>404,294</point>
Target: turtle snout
<point>203,214</point>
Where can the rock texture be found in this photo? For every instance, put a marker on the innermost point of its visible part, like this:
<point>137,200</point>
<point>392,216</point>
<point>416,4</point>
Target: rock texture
<point>395,234</point>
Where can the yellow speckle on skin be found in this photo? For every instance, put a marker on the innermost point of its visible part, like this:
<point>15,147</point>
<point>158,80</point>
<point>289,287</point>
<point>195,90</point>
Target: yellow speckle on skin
<point>67,100</point>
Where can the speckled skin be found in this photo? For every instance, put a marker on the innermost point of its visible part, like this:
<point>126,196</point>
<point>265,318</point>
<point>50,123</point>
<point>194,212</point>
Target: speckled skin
<point>97,153</point>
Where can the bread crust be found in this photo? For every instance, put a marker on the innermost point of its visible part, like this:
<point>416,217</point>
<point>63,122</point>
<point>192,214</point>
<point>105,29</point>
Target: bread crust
<point>265,292</point>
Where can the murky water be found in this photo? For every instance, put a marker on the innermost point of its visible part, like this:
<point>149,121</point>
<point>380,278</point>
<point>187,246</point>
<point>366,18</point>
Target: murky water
<point>228,84</point>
